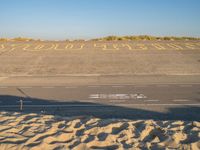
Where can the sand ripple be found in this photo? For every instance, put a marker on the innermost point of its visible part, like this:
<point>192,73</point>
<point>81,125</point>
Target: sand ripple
<point>39,132</point>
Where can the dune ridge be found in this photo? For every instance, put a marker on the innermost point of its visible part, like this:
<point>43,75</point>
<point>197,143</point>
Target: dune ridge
<point>39,131</point>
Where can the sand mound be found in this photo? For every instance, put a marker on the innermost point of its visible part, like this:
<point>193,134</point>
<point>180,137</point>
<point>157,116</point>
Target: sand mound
<point>37,131</point>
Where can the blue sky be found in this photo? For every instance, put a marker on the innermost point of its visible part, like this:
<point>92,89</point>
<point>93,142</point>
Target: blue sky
<point>70,19</point>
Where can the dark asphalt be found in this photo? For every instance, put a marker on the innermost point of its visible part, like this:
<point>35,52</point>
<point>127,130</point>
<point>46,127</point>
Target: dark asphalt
<point>157,101</point>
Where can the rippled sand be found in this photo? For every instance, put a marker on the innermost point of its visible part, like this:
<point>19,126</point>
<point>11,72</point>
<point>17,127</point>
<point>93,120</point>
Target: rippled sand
<point>37,131</point>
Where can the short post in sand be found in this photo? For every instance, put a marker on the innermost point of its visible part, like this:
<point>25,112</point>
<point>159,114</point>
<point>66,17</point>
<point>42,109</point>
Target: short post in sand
<point>21,104</point>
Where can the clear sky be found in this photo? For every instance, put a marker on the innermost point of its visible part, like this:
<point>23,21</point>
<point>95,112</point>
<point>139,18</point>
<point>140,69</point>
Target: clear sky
<point>69,19</point>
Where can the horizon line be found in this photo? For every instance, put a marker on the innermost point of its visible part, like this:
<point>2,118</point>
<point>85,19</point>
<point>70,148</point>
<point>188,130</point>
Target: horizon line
<point>109,37</point>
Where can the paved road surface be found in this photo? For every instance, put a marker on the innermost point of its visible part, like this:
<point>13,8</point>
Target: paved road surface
<point>157,101</point>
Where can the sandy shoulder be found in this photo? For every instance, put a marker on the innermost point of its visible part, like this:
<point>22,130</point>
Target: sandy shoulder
<point>36,131</point>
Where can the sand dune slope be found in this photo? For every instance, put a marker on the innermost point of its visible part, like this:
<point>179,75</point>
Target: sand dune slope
<point>39,132</point>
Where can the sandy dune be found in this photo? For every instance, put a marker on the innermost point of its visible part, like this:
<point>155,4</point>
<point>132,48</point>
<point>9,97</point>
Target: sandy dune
<point>37,131</point>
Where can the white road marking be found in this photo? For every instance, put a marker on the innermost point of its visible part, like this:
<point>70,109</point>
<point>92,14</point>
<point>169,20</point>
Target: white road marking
<point>141,47</point>
<point>117,86</point>
<point>115,46</point>
<point>139,96</point>
<point>174,46</point>
<point>190,46</point>
<point>94,86</point>
<point>70,87</point>
<point>152,100</point>
<point>81,47</point>
<point>25,87</point>
<point>185,85</point>
<point>56,47</point>
<point>158,46</point>
<point>89,101</point>
<point>69,46</point>
<point>118,101</point>
<point>26,46</point>
<point>140,86</point>
<point>39,46</point>
<point>181,100</point>
<point>127,45</point>
<point>94,96</point>
<point>117,96</point>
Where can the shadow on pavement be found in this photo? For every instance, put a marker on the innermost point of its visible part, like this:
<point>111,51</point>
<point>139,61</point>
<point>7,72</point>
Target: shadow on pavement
<point>74,108</point>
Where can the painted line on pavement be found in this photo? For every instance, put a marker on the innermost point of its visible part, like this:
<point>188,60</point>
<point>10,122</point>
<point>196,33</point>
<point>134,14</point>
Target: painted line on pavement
<point>25,87</point>
<point>189,85</point>
<point>117,86</point>
<point>116,101</point>
<point>181,100</point>
<point>140,86</point>
<point>70,87</point>
<point>152,100</point>
<point>94,86</point>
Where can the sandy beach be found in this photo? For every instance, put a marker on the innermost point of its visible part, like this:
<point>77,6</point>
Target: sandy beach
<point>39,131</point>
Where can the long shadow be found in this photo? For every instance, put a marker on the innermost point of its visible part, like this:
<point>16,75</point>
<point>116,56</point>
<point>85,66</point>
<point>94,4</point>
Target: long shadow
<point>75,108</point>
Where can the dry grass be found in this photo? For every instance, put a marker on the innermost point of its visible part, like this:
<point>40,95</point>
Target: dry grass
<point>143,37</point>
<point>18,39</point>
<point>3,40</point>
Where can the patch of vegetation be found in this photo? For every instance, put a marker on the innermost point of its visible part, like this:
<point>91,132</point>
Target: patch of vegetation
<point>3,40</point>
<point>18,39</point>
<point>143,37</point>
<point>21,39</point>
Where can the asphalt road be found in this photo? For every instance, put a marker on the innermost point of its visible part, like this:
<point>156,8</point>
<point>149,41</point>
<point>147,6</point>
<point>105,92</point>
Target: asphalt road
<point>154,101</point>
